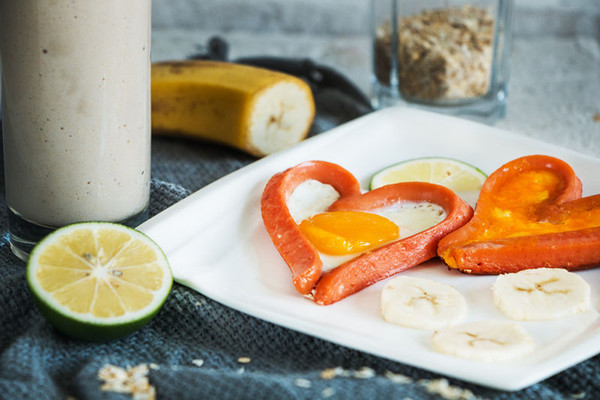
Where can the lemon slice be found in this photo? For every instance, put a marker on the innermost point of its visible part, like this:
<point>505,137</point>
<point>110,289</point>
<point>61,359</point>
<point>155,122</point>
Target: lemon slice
<point>462,178</point>
<point>98,280</point>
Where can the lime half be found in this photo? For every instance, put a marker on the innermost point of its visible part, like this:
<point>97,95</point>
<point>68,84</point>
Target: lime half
<point>462,178</point>
<point>98,280</point>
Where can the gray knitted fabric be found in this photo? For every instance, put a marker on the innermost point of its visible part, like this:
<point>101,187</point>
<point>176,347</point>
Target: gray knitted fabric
<point>37,362</point>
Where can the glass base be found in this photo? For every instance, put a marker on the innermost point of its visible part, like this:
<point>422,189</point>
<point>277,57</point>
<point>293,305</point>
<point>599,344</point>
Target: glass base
<point>24,235</point>
<point>486,109</point>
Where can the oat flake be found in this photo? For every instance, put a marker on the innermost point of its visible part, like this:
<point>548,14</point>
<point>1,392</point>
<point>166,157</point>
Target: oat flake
<point>443,388</point>
<point>398,378</point>
<point>133,381</point>
<point>303,383</point>
<point>198,362</point>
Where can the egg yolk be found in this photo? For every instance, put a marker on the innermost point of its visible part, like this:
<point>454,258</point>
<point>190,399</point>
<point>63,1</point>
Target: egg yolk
<point>346,232</point>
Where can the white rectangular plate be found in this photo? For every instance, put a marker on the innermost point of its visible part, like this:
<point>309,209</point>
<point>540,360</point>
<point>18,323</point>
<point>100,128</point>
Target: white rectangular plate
<point>216,244</point>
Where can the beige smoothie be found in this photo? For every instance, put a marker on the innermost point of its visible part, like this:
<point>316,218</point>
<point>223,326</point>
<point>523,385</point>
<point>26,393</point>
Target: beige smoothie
<point>76,108</point>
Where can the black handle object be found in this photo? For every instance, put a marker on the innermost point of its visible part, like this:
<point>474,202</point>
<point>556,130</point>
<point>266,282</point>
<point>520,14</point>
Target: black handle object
<point>337,99</point>
<point>319,75</point>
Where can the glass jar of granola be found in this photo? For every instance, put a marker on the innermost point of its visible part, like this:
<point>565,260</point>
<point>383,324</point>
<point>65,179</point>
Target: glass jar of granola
<point>443,55</point>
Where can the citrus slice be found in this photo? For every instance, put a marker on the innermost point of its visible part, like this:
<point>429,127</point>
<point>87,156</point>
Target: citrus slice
<point>462,178</point>
<point>98,280</point>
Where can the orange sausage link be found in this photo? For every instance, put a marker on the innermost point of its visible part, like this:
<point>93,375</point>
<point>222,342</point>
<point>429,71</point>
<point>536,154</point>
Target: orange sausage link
<point>561,231</point>
<point>553,250</point>
<point>298,252</point>
<point>398,256</point>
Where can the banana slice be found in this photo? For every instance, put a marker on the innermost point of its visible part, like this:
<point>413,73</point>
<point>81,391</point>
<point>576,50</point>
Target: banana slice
<point>541,294</point>
<point>421,303</point>
<point>487,341</point>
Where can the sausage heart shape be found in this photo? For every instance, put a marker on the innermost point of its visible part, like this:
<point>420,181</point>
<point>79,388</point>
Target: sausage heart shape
<point>530,214</point>
<point>352,276</point>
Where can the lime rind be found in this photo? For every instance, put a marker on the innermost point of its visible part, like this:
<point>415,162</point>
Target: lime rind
<point>85,326</point>
<point>90,331</point>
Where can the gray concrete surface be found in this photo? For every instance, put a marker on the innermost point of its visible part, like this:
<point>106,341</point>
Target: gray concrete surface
<point>350,17</point>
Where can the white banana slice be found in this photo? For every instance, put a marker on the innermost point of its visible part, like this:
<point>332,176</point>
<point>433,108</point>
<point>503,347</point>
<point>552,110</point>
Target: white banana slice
<point>541,294</point>
<point>421,303</point>
<point>487,341</point>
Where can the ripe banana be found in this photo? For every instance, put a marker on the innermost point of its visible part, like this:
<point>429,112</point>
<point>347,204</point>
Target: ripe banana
<point>541,294</point>
<point>421,303</point>
<point>253,109</point>
<point>487,341</point>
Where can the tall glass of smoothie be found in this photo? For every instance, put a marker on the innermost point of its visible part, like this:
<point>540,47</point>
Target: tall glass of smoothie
<point>75,113</point>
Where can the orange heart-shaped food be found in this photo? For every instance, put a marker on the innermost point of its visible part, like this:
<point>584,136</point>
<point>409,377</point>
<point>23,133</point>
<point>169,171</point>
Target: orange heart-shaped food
<point>530,214</point>
<point>303,258</point>
<point>297,251</point>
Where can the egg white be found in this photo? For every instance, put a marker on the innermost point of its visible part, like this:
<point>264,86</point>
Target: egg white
<point>313,197</point>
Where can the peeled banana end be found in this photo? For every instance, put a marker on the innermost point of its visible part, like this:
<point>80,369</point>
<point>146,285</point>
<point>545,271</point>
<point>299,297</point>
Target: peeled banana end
<point>280,117</point>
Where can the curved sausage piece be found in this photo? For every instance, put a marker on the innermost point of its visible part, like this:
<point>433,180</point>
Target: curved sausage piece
<point>559,230</point>
<point>398,256</point>
<point>298,252</point>
<point>571,250</point>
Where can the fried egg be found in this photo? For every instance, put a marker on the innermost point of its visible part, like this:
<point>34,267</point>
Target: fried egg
<point>343,235</point>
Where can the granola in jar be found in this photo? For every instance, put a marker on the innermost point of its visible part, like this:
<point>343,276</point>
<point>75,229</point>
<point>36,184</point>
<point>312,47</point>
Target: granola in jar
<point>442,54</point>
